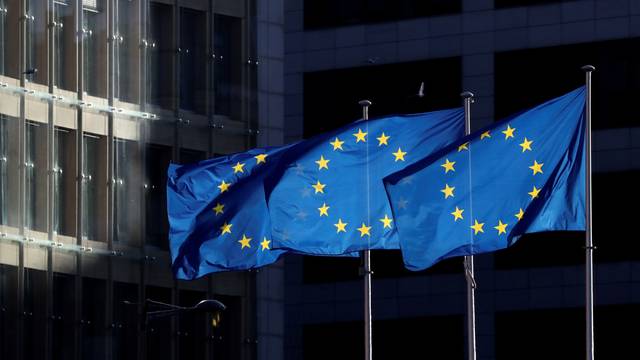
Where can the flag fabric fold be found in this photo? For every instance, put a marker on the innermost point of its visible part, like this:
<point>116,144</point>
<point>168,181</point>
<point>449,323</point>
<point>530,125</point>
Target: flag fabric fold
<point>322,196</point>
<point>327,196</point>
<point>522,175</point>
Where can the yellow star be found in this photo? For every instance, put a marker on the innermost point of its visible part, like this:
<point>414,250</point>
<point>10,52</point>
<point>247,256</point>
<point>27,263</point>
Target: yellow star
<point>219,208</point>
<point>340,226</point>
<point>223,186</point>
<point>457,215</point>
<point>520,214</point>
<point>238,168</point>
<point>382,140</point>
<point>464,146</point>
<point>319,187</point>
<point>526,145</point>
<point>537,168</point>
<point>337,144</point>
<point>399,154</point>
<point>502,228</point>
<point>448,166</point>
<point>386,222</point>
<point>364,230</point>
<point>226,228</point>
<point>322,163</point>
<point>360,136</point>
<point>509,132</point>
<point>324,210</point>
<point>265,244</point>
<point>534,193</point>
<point>261,158</point>
<point>486,134</point>
<point>447,191</point>
<point>245,241</point>
<point>477,227</point>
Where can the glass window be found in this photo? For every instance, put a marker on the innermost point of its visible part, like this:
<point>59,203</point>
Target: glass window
<point>193,60</point>
<point>125,318</point>
<point>157,160</point>
<point>94,30</point>
<point>127,50</point>
<point>36,176</point>
<point>64,39</point>
<point>332,13</point>
<point>127,191</point>
<point>161,55</point>
<point>227,332</point>
<point>228,69</point>
<point>35,324</point>
<point>94,335</point>
<point>5,38</point>
<point>443,336</point>
<point>501,4</point>
<point>159,330</point>
<point>93,189</point>
<point>192,339</point>
<point>190,156</point>
<point>553,71</point>
<point>442,80</point>
<point>36,42</point>
<point>8,311</point>
<point>64,182</point>
<point>63,316</point>
<point>9,165</point>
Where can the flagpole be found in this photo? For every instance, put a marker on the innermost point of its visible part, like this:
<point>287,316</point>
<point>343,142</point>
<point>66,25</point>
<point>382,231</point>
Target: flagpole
<point>366,257</point>
<point>467,97</point>
<point>588,69</point>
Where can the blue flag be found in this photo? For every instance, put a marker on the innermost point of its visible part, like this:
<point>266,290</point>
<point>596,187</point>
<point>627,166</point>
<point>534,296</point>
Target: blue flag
<point>327,196</point>
<point>522,175</point>
<point>218,214</point>
<point>236,212</point>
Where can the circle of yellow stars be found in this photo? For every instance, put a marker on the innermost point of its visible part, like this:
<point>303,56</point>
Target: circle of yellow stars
<point>448,191</point>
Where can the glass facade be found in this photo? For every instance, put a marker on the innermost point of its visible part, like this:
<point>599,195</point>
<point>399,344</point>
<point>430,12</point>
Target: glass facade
<point>106,94</point>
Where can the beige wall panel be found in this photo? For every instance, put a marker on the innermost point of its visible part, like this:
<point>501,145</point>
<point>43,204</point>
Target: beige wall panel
<point>10,104</point>
<point>64,262</point>
<point>95,123</point>
<point>65,117</point>
<point>35,257</point>
<point>36,109</point>
<point>126,129</point>
<point>9,253</point>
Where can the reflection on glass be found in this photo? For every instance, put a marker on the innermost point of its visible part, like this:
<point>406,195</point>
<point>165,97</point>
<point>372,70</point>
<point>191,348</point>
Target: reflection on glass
<point>4,27</point>
<point>94,54</point>
<point>157,160</point>
<point>64,41</point>
<point>35,289</point>
<point>160,62</point>
<point>94,334</point>
<point>63,182</point>
<point>193,60</point>
<point>8,311</point>
<point>36,42</point>
<point>125,344</point>
<point>64,305</point>
<point>126,50</point>
<point>227,71</point>
<point>36,176</point>
<point>92,193</point>
<point>127,190</point>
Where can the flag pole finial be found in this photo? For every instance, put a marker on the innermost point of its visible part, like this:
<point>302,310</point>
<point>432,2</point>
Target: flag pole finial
<point>467,94</point>
<point>364,103</point>
<point>588,68</point>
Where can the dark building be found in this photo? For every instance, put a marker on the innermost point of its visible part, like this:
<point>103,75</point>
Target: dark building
<point>96,98</point>
<point>511,54</point>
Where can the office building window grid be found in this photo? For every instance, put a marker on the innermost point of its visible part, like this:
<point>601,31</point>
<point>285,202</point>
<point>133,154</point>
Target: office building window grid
<point>83,226</point>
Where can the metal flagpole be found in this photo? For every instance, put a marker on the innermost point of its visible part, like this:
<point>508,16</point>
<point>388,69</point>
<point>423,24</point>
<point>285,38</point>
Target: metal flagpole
<point>588,69</point>
<point>467,96</point>
<point>366,256</point>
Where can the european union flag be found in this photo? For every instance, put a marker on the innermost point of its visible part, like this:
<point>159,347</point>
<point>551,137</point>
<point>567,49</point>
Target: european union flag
<point>522,175</point>
<point>328,198</point>
<point>218,214</point>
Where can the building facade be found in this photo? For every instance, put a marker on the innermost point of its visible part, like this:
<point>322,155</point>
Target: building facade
<point>97,97</point>
<point>512,54</point>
